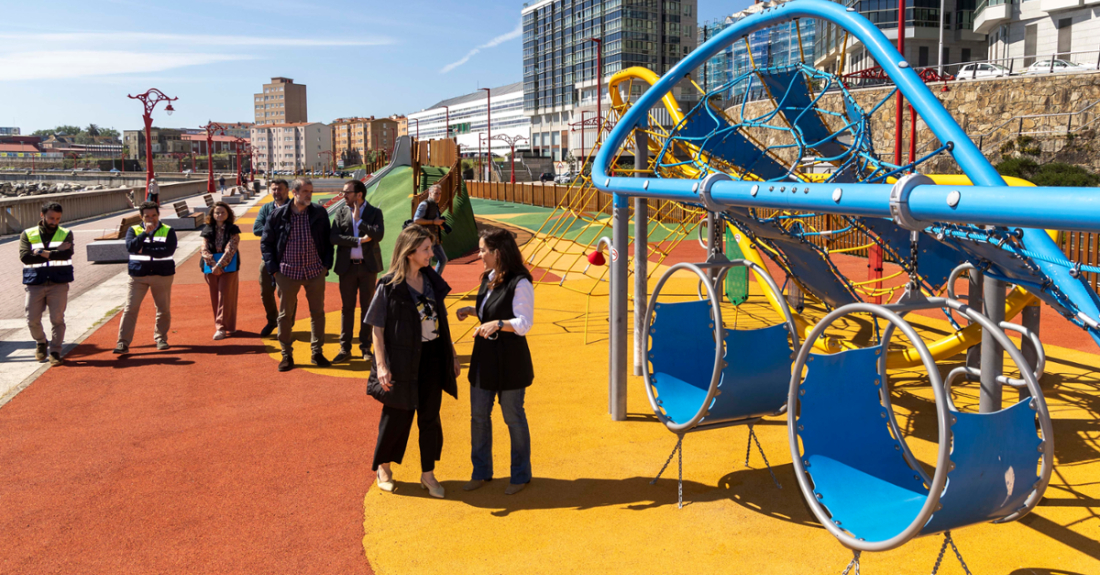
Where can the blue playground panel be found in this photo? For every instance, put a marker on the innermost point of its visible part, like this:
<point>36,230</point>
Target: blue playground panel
<point>700,129</point>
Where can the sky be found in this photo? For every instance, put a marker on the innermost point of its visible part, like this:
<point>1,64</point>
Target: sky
<point>74,62</point>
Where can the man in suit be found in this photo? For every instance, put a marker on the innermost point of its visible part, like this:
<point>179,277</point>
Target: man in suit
<point>356,231</point>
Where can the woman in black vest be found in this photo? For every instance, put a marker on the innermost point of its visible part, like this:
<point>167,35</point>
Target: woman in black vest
<point>220,262</point>
<point>414,359</point>
<point>500,365</point>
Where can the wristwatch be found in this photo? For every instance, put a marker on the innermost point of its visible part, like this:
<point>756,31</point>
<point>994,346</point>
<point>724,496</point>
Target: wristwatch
<point>500,324</point>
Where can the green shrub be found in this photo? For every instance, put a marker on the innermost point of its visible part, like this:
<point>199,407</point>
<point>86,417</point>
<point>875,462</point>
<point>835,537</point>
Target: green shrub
<point>1052,174</point>
<point>1018,168</point>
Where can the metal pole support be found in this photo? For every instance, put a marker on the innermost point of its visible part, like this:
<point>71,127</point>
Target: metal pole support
<point>620,223</point>
<point>1029,318</point>
<point>641,251</point>
<point>992,366</point>
<point>974,300</point>
<point>713,243</point>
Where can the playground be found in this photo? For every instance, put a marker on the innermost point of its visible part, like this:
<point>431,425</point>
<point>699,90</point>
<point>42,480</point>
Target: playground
<point>761,344</point>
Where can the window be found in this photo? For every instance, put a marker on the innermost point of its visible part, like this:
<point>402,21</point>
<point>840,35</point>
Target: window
<point>1065,27</point>
<point>922,56</point>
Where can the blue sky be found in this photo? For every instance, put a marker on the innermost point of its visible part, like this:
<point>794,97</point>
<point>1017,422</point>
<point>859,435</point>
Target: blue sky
<point>74,62</point>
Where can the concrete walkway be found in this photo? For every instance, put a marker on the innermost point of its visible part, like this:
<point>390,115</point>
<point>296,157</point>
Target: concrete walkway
<point>97,293</point>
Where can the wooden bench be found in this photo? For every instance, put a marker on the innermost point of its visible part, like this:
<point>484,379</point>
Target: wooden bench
<point>184,219</point>
<point>209,200</point>
<point>127,223</point>
<point>111,248</point>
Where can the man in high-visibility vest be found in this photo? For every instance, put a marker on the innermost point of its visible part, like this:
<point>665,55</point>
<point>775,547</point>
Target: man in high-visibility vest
<point>152,267</point>
<point>47,255</point>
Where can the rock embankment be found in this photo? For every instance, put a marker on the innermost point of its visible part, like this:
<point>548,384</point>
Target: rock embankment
<point>21,189</point>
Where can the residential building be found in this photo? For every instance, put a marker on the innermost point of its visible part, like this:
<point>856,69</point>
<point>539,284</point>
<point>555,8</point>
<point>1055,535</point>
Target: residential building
<point>232,129</point>
<point>559,60</point>
<point>352,138</point>
<point>922,35</point>
<point>9,131</point>
<point>281,102</point>
<point>292,147</point>
<point>402,125</point>
<point>1020,33</point>
<point>165,141</point>
<point>777,46</point>
<point>196,143</point>
<point>468,116</point>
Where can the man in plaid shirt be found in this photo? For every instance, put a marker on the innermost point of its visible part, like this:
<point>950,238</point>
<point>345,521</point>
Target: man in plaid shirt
<point>298,253</point>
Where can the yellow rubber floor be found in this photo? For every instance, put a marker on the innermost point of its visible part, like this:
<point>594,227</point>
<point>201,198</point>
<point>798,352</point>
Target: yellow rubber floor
<point>591,507</point>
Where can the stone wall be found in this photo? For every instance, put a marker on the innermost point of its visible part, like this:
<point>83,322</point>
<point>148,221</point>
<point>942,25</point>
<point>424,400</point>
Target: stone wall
<point>990,111</point>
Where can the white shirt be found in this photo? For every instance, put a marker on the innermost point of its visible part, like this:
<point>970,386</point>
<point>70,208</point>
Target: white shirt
<point>356,217</point>
<point>523,305</point>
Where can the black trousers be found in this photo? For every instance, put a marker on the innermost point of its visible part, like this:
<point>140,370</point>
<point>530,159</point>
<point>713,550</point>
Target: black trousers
<point>356,287</point>
<point>395,425</point>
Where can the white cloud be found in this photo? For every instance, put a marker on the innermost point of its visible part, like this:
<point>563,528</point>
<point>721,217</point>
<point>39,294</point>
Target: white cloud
<point>190,40</point>
<point>516,33</point>
<point>59,64</point>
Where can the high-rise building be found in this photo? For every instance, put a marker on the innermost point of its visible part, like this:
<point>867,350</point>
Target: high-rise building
<point>292,147</point>
<point>559,59</point>
<point>281,102</point>
<point>777,46</point>
<point>922,35</point>
<point>352,138</point>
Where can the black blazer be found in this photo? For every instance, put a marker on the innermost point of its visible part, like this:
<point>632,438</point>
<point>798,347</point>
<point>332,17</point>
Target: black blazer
<point>277,233</point>
<point>343,237</point>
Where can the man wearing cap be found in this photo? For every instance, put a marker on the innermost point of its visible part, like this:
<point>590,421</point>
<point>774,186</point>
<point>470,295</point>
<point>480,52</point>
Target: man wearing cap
<point>152,268</point>
<point>152,192</point>
<point>47,255</point>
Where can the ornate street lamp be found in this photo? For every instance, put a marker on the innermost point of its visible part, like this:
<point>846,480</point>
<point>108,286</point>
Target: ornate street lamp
<point>511,141</point>
<point>210,128</point>
<point>150,99</point>
<point>238,143</point>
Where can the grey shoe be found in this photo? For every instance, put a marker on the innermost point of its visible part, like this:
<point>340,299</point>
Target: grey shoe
<point>475,484</point>
<point>162,345</point>
<point>121,349</point>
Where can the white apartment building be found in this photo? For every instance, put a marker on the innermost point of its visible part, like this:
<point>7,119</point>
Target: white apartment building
<point>469,119</point>
<point>293,147</point>
<point>1020,33</point>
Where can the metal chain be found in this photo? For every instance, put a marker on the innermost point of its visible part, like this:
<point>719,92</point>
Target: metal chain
<point>680,479</point>
<point>947,540</point>
<point>669,460</point>
<point>748,450</point>
<point>853,563</point>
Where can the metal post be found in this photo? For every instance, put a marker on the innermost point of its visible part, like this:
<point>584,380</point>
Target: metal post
<point>939,59</point>
<point>974,300</point>
<point>1030,320</point>
<point>620,222</point>
<point>992,354</point>
<point>712,244</point>
<point>641,251</point>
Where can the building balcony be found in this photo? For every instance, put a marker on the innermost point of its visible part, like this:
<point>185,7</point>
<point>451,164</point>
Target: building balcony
<point>991,13</point>
<point>1056,5</point>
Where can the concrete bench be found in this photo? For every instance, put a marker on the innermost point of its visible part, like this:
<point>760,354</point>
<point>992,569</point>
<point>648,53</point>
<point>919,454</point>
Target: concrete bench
<point>108,252</point>
<point>184,219</point>
<point>127,223</point>
<point>209,200</point>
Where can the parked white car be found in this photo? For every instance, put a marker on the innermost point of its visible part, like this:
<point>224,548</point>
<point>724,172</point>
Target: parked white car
<point>975,71</point>
<point>1045,67</point>
<point>563,178</point>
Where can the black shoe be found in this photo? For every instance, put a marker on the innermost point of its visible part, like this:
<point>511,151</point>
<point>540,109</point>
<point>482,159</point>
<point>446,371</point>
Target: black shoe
<point>40,351</point>
<point>268,329</point>
<point>319,360</point>
<point>121,348</point>
<point>162,345</point>
<point>342,357</point>
<point>287,364</point>
<point>55,359</point>
<point>368,355</point>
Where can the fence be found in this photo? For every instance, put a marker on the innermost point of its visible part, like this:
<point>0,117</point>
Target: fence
<point>438,154</point>
<point>18,214</point>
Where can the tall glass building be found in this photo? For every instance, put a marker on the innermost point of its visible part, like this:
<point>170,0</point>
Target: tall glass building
<point>559,59</point>
<point>776,46</point>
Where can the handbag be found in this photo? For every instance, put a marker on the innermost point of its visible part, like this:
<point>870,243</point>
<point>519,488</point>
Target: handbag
<point>232,267</point>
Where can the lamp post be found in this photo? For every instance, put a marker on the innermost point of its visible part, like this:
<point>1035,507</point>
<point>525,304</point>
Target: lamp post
<point>150,99</point>
<point>599,86</point>
<point>511,141</point>
<point>210,128</point>
<point>489,128</point>
<point>488,168</point>
<point>331,155</point>
<point>238,143</point>
<point>252,163</point>
<point>179,156</point>
<point>447,111</point>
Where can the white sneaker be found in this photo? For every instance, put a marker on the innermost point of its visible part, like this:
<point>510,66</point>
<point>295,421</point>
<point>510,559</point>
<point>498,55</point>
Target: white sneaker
<point>218,335</point>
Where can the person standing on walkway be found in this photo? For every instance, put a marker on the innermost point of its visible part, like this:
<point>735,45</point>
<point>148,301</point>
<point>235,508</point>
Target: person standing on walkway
<point>47,255</point>
<point>414,359</point>
<point>429,215</point>
<point>152,268</point>
<point>220,263</point>
<point>280,191</point>
<point>500,365</point>
<point>152,192</point>
<point>221,184</point>
<point>297,249</point>
<point>356,231</point>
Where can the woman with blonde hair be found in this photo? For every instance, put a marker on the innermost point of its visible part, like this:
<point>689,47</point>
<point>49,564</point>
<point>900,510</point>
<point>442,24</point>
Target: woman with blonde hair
<point>220,262</point>
<point>414,359</point>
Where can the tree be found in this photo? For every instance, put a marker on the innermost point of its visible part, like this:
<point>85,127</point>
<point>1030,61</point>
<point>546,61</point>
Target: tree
<point>1049,174</point>
<point>92,130</point>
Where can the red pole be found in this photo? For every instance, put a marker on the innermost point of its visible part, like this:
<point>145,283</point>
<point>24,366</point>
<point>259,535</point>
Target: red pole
<point>148,152</point>
<point>513,163</point>
<point>210,160</point>
<point>912,134</point>
<point>237,145</point>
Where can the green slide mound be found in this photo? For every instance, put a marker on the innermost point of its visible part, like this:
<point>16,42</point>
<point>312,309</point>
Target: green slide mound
<point>393,194</point>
